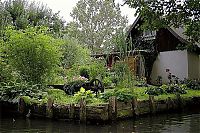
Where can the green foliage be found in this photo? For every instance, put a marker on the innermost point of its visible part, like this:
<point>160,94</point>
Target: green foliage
<point>14,89</point>
<point>107,81</point>
<point>192,84</point>
<point>93,69</point>
<point>167,89</point>
<point>123,75</point>
<point>74,54</point>
<point>84,71</point>
<point>95,24</point>
<point>97,69</point>
<point>88,96</point>
<point>175,88</point>
<point>26,99</point>
<point>122,94</point>
<point>32,53</point>
<point>155,90</point>
<point>140,93</point>
<point>56,94</point>
<point>121,69</point>
<point>23,13</point>
<point>107,94</point>
<point>161,13</point>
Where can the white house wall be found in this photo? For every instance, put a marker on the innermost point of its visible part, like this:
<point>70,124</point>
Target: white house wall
<point>175,61</point>
<point>193,66</point>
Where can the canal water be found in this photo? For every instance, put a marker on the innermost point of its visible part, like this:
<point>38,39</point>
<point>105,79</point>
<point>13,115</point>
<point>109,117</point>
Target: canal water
<point>162,123</point>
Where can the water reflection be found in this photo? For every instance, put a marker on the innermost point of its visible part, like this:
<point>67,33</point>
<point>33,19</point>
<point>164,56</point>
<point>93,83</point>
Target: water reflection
<point>174,123</point>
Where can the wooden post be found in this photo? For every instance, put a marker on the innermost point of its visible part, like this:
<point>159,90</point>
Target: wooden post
<point>151,104</point>
<point>21,106</point>
<point>82,110</point>
<point>170,104</point>
<point>179,100</point>
<point>71,111</point>
<point>112,108</point>
<point>49,108</point>
<point>135,107</point>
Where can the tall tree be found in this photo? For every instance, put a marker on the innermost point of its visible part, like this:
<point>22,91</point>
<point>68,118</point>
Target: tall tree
<point>177,13</point>
<point>95,23</point>
<point>23,13</point>
<point>5,19</point>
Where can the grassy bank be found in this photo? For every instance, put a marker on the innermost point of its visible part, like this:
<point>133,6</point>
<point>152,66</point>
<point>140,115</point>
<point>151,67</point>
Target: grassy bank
<point>61,98</point>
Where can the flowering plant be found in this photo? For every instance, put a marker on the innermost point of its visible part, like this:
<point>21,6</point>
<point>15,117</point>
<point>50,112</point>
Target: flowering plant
<point>80,78</point>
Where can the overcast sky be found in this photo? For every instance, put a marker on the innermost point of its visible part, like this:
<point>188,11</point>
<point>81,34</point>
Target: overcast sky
<point>65,7</point>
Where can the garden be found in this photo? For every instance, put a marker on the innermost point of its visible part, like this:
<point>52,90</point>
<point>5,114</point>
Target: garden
<point>39,52</point>
<point>34,64</point>
<point>32,61</point>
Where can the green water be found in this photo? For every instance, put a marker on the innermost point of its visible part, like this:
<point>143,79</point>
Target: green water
<point>171,123</point>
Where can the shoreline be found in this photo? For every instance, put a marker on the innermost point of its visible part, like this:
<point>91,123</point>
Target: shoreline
<point>111,111</point>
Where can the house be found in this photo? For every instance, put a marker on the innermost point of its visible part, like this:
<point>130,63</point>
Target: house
<point>164,58</point>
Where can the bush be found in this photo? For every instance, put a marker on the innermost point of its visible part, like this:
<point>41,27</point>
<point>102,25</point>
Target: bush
<point>107,81</point>
<point>172,88</point>
<point>58,96</point>
<point>175,88</point>
<point>84,71</point>
<point>192,84</point>
<point>121,70</point>
<point>74,54</point>
<point>154,90</point>
<point>97,69</point>
<point>122,94</point>
<point>13,90</point>
<point>106,95</point>
<point>123,75</point>
<point>32,53</point>
<point>88,96</point>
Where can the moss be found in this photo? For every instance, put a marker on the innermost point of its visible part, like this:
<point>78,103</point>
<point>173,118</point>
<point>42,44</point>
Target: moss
<point>140,93</point>
<point>124,113</point>
<point>191,93</point>
<point>26,99</point>
<point>165,97</point>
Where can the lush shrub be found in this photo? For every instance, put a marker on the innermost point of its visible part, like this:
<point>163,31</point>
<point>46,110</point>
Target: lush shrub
<point>121,70</point>
<point>171,89</point>
<point>32,53</point>
<point>12,90</point>
<point>97,69</point>
<point>74,54</point>
<point>123,75</point>
<point>107,81</point>
<point>192,84</point>
<point>94,69</point>
<point>59,97</point>
<point>155,90</point>
<point>122,94</point>
<point>88,96</point>
<point>56,94</point>
<point>84,71</point>
<point>106,95</point>
<point>175,88</point>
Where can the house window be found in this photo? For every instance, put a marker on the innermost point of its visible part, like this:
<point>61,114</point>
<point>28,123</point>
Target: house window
<point>149,34</point>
